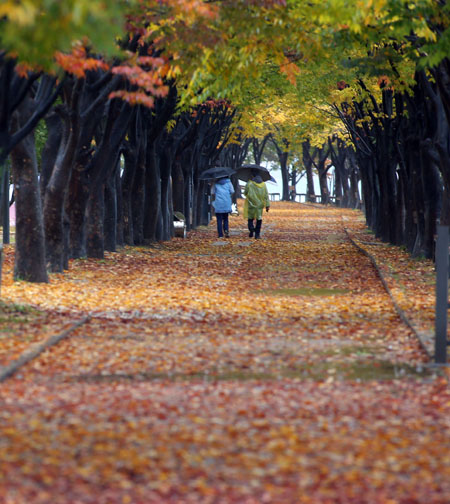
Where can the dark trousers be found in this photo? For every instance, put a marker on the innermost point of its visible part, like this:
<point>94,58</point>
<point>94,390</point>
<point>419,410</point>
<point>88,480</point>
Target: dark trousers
<point>255,229</point>
<point>222,224</point>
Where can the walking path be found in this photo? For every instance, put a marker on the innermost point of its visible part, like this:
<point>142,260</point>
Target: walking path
<point>229,371</point>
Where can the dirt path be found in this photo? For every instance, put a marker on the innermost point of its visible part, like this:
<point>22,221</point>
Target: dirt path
<point>224,371</point>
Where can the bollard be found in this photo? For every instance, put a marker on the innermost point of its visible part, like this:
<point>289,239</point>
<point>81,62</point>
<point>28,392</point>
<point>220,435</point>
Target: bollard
<point>442,265</point>
<point>179,224</point>
<point>1,266</point>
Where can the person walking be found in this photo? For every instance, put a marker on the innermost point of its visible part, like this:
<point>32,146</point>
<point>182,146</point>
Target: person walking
<point>222,190</point>
<point>256,198</point>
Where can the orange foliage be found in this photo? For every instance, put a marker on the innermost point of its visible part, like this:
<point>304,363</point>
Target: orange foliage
<point>77,63</point>
<point>384,81</point>
<point>24,69</point>
<point>291,70</point>
<point>146,73</point>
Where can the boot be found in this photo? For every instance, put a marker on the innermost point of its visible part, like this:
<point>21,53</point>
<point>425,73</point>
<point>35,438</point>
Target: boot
<point>258,229</point>
<point>250,228</point>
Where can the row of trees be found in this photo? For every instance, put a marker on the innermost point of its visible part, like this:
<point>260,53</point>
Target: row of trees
<point>130,126</point>
<point>121,154</point>
<point>110,173</point>
<point>396,144</point>
<point>402,146</point>
<point>392,134</point>
<point>333,160</point>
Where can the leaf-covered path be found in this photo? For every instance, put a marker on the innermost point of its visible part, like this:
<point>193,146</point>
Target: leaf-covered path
<point>228,371</point>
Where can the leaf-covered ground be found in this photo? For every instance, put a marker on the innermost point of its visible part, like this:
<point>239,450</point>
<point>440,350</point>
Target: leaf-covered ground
<point>228,371</point>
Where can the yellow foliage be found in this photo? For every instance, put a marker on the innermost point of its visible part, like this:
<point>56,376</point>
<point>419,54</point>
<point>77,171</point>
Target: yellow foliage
<point>23,13</point>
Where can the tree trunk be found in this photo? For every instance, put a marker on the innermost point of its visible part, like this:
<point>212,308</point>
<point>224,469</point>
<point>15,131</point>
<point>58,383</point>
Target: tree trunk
<point>282,157</point>
<point>5,203</point>
<point>119,225</point>
<point>56,189</point>
<point>152,196</point>
<point>110,219</point>
<point>127,186</point>
<point>353,169</point>
<point>341,174</point>
<point>195,191</point>
<point>178,187</point>
<point>77,200</point>
<point>138,193</point>
<point>323,184</point>
<point>29,259</point>
<point>322,170</point>
<point>91,111</point>
<point>204,204</point>
<point>103,166</point>
<point>388,192</point>
<point>308,165</point>
<point>50,150</point>
<point>95,244</point>
<point>355,197</point>
<point>188,199</point>
<point>15,96</point>
<point>258,147</point>
<point>165,162</point>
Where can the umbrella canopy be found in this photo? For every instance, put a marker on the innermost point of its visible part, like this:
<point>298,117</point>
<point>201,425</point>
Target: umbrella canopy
<point>245,172</point>
<point>216,172</point>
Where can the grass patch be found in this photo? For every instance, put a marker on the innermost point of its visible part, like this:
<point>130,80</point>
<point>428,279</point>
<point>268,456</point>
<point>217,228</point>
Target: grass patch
<point>280,267</point>
<point>350,350</point>
<point>335,238</point>
<point>12,319</point>
<point>381,370</point>
<point>353,371</point>
<point>361,371</point>
<point>14,308</point>
<point>316,268</point>
<point>12,314</point>
<point>173,377</point>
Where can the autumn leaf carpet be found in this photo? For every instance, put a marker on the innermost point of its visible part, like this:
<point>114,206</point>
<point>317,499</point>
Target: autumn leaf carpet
<point>219,371</point>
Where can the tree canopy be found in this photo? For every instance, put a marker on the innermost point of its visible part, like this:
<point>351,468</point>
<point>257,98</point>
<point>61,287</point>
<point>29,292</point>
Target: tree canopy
<point>141,96</point>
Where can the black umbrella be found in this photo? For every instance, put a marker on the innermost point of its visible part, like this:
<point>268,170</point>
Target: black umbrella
<point>246,172</point>
<point>216,172</point>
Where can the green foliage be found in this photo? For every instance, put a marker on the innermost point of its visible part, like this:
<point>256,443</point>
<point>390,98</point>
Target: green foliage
<point>40,136</point>
<point>34,29</point>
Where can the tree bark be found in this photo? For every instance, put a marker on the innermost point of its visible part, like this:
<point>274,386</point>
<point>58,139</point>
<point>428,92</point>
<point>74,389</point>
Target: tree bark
<point>308,165</point>
<point>76,210</point>
<point>139,193</point>
<point>29,260</point>
<point>14,92</point>
<point>95,240</point>
<point>165,162</point>
<point>50,150</point>
<point>178,187</point>
<point>130,157</point>
<point>110,219</point>
<point>103,165</point>
<point>56,189</point>
<point>120,242</point>
<point>283,154</point>
<point>152,196</point>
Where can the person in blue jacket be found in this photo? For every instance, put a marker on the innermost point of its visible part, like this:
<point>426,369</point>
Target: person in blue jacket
<point>222,190</point>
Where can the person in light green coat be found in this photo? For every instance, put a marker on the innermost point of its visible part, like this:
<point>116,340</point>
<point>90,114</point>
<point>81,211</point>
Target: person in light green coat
<point>256,199</point>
